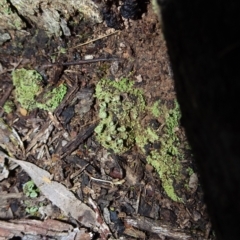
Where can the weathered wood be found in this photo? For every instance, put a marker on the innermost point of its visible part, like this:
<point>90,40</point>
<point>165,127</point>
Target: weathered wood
<point>50,15</point>
<point>204,46</point>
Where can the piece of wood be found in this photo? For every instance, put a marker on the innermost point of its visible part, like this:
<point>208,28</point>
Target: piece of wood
<point>51,16</point>
<point>203,41</point>
<point>158,227</point>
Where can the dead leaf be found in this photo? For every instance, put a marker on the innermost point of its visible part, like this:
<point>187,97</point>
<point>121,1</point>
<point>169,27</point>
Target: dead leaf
<point>57,193</point>
<point>23,111</point>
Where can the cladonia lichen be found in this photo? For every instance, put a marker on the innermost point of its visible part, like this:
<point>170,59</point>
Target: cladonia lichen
<point>8,106</point>
<point>28,86</point>
<point>53,98</point>
<point>121,108</point>
<point>167,160</point>
<point>155,109</point>
<point>9,19</point>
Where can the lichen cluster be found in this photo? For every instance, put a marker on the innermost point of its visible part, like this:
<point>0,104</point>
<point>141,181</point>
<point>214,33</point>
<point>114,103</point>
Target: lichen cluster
<point>8,106</point>
<point>9,19</point>
<point>167,160</point>
<point>121,107</point>
<point>28,85</point>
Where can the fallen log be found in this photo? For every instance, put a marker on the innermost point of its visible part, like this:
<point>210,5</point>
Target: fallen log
<point>203,42</point>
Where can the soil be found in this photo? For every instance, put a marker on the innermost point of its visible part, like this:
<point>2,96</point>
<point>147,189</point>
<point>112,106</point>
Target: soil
<point>126,191</point>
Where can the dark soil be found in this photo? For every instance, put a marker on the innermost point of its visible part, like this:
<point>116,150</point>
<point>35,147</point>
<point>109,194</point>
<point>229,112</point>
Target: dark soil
<point>136,208</point>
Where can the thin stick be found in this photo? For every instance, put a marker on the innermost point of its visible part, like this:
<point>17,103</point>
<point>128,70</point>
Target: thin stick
<point>80,62</point>
<point>93,40</point>
<point>4,99</point>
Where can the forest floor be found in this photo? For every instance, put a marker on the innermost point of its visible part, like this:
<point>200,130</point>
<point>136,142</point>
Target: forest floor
<point>118,119</point>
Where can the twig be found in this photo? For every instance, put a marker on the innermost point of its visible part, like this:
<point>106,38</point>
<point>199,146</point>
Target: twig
<point>26,227</point>
<point>82,136</point>
<point>80,62</point>
<point>99,180</point>
<point>158,227</point>
<point>112,183</point>
<point>103,228</point>
<point>82,44</point>
<point>4,99</point>
<point>15,65</point>
<point>10,195</point>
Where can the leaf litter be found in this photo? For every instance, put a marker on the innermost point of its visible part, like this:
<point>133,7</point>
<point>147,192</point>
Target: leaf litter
<point>121,190</point>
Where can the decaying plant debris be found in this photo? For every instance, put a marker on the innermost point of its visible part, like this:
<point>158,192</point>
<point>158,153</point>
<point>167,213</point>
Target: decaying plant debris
<point>86,187</point>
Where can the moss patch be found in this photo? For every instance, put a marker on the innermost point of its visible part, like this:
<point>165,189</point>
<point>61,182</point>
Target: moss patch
<point>28,85</point>
<point>120,108</point>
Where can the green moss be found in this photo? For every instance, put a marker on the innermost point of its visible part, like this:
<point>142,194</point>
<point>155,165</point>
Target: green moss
<point>8,106</point>
<point>28,85</point>
<point>120,109</point>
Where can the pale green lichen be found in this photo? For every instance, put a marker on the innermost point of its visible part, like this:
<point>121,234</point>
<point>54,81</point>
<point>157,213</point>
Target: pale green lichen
<point>190,171</point>
<point>8,106</point>
<point>167,160</point>
<point>9,19</point>
<point>145,136</point>
<point>120,108</point>
<point>155,109</point>
<point>28,85</point>
<point>53,98</point>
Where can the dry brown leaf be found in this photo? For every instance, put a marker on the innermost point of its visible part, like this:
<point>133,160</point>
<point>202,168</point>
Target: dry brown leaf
<point>57,193</point>
<point>23,111</point>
